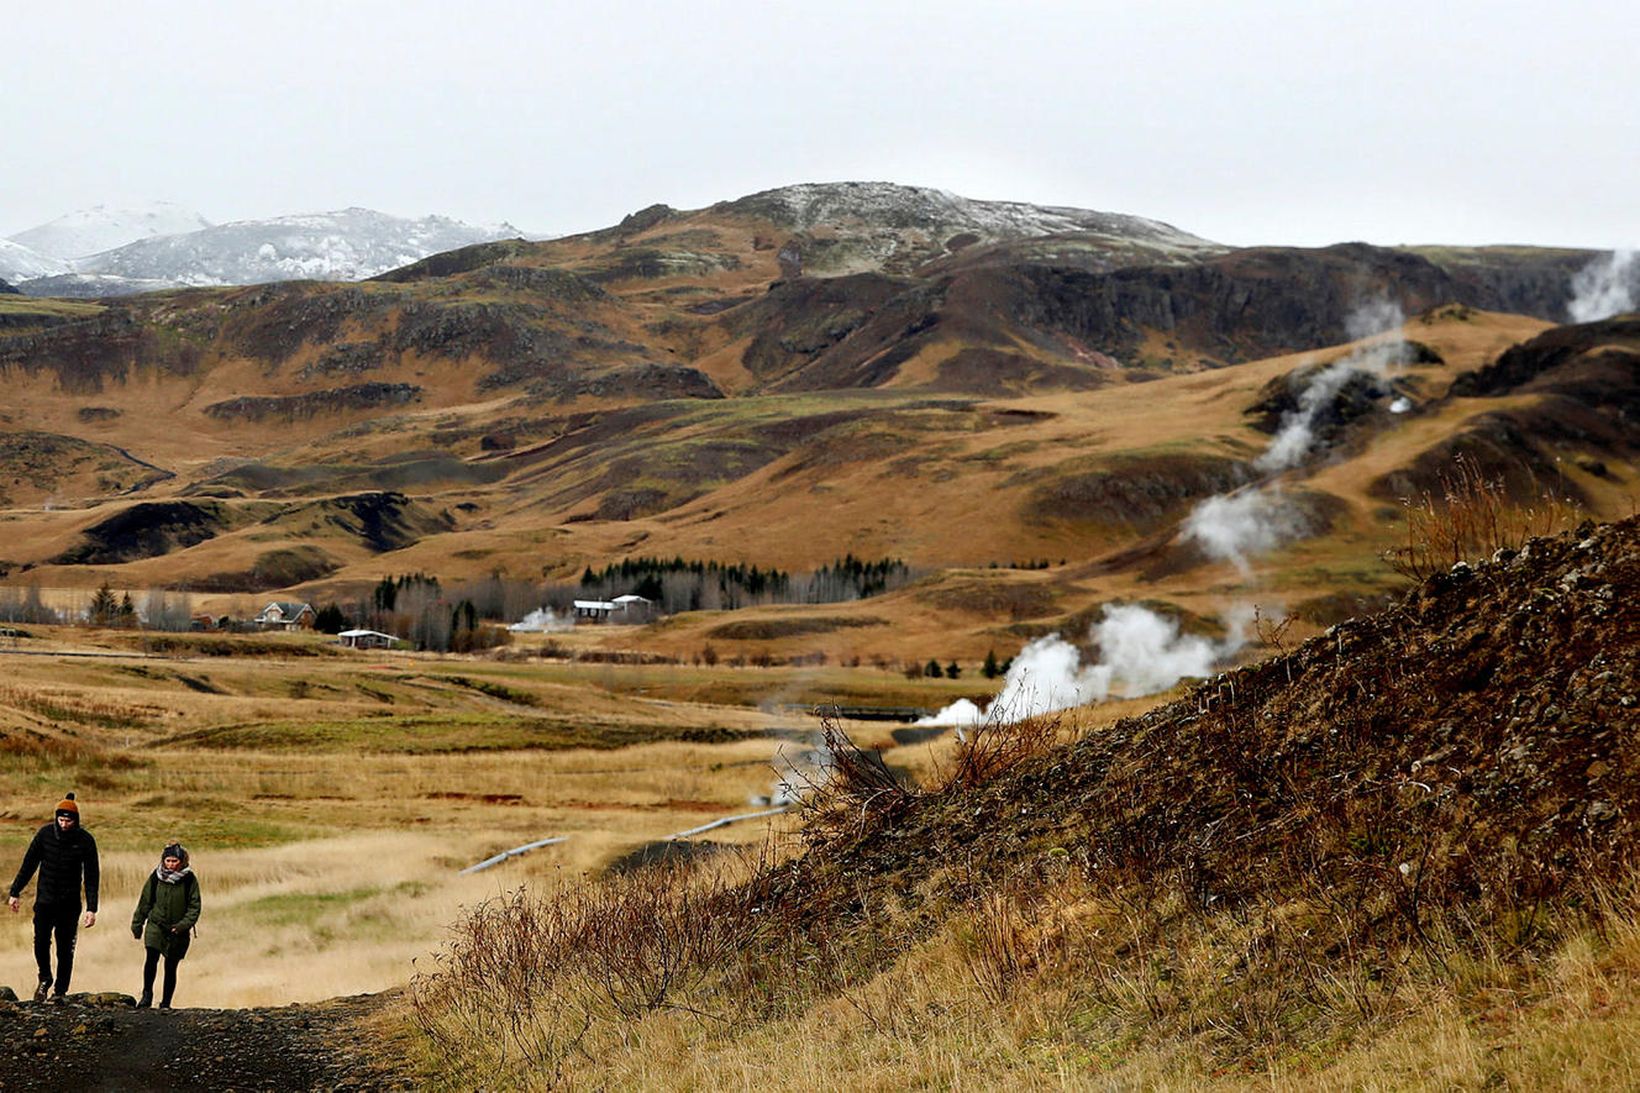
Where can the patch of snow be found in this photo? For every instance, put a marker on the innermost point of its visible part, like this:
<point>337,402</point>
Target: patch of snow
<point>885,204</point>
<point>350,244</point>
<point>20,263</point>
<point>103,227</point>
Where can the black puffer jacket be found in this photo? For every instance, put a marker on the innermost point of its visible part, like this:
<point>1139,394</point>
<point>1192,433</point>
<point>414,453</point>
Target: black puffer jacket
<point>62,857</point>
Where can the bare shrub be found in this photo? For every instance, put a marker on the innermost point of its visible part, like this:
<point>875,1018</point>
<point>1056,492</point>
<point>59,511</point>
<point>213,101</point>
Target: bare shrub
<point>529,980</point>
<point>854,791</point>
<point>1471,518</point>
<point>997,745</point>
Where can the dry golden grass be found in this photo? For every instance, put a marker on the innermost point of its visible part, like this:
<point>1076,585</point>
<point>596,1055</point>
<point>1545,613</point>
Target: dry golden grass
<point>1082,1009</point>
<point>328,871</point>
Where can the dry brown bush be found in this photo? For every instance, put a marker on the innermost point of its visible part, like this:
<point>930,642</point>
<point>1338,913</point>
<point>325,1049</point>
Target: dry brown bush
<point>1471,518</point>
<point>528,979</point>
<point>998,745</point>
<point>854,791</point>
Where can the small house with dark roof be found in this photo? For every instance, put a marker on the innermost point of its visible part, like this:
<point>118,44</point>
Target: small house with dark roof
<point>282,615</point>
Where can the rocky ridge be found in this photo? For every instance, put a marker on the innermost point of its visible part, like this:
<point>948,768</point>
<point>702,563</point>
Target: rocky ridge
<point>345,245</point>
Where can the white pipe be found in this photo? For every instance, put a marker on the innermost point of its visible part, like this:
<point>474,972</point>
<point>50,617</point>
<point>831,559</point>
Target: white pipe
<point>513,853</point>
<point>726,820</point>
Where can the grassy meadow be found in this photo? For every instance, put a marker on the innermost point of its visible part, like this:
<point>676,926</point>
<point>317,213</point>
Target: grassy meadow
<point>330,800</point>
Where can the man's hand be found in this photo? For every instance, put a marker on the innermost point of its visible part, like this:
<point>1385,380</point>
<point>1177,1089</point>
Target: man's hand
<point>136,933</point>
<point>89,920</point>
<point>14,903</point>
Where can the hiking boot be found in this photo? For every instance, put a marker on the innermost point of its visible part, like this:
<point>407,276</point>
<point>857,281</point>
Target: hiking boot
<point>165,1005</point>
<point>59,999</point>
<point>146,1000</point>
<point>40,991</point>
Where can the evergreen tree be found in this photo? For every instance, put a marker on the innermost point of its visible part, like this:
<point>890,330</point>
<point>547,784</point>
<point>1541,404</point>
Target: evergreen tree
<point>932,670</point>
<point>329,620</point>
<point>990,669</point>
<point>103,606</point>
<point>952,671</point>
<point>126,615</point>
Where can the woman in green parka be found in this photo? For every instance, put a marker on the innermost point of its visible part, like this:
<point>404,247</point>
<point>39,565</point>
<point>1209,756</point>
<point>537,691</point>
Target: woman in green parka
<point>165,914</point>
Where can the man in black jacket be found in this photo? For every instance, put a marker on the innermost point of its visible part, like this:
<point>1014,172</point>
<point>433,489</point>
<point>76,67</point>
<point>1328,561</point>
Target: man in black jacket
<point>64,852</point>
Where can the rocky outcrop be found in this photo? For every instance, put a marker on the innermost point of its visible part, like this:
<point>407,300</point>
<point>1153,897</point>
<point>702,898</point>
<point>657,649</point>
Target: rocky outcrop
<point>382,521</point>
<point>1246,304</point>
<point>148,530</point>
<point>1549,361</point>
<point>1534,281</point>
<point>87,355</point>
<point>362,396</point>
<point>656,381</point>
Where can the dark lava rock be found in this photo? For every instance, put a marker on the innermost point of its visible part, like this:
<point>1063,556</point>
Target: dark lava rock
<point>361,396</point>
<point>147,530</point>
<point>1358,396</point>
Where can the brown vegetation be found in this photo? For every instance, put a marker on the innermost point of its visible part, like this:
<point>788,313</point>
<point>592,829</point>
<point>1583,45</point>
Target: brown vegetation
<point>1298,871</point>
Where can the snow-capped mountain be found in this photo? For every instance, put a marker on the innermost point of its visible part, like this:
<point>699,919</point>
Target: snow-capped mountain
<point>335,246</point>
<point>19,263</point>
<point>888,204</point>
<point>884,225</point>
<point>104,227</point>
<point>348,245</point>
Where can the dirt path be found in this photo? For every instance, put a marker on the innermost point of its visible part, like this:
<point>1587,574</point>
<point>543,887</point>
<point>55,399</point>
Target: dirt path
<point>107,1045</point>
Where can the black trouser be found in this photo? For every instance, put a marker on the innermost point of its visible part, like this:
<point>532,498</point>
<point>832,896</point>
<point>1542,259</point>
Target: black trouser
<point>64,921</point>
<point>148,967</point>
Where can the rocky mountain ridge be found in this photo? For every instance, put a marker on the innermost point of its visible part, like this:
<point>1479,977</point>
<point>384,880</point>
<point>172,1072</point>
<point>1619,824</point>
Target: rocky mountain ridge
<point>345,245</point>
<point>680,377</point>
<point>85,232</point>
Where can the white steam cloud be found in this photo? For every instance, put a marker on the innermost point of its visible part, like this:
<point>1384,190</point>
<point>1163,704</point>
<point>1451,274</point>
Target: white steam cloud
<point>1235,527</point>
<point>541,621</point>
<point>1296,436</point>
<point>1605,287</point>
<point>1140,653</point>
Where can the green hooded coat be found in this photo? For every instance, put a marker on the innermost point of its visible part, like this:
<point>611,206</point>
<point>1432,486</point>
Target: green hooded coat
<point>170,911</point>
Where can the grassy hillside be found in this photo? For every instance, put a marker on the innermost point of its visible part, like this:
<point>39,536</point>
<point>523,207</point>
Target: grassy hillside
<point>1400,856</point>
<point>781,380</point>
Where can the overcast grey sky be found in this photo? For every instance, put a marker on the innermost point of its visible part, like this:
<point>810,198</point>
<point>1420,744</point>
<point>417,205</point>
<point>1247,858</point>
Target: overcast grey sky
<point>1306,122</point>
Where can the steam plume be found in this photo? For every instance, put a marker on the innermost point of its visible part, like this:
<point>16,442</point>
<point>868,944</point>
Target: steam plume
<point>541,621</point>
<point>1605,287</point>
<point>1234,527</point>
<point>1296,436</point>
<point>1140,653</point>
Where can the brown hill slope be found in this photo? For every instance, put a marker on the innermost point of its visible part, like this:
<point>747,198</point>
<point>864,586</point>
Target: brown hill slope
<point>1369,840</point>
<point>1485,724</point>
<point>781,380</point>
